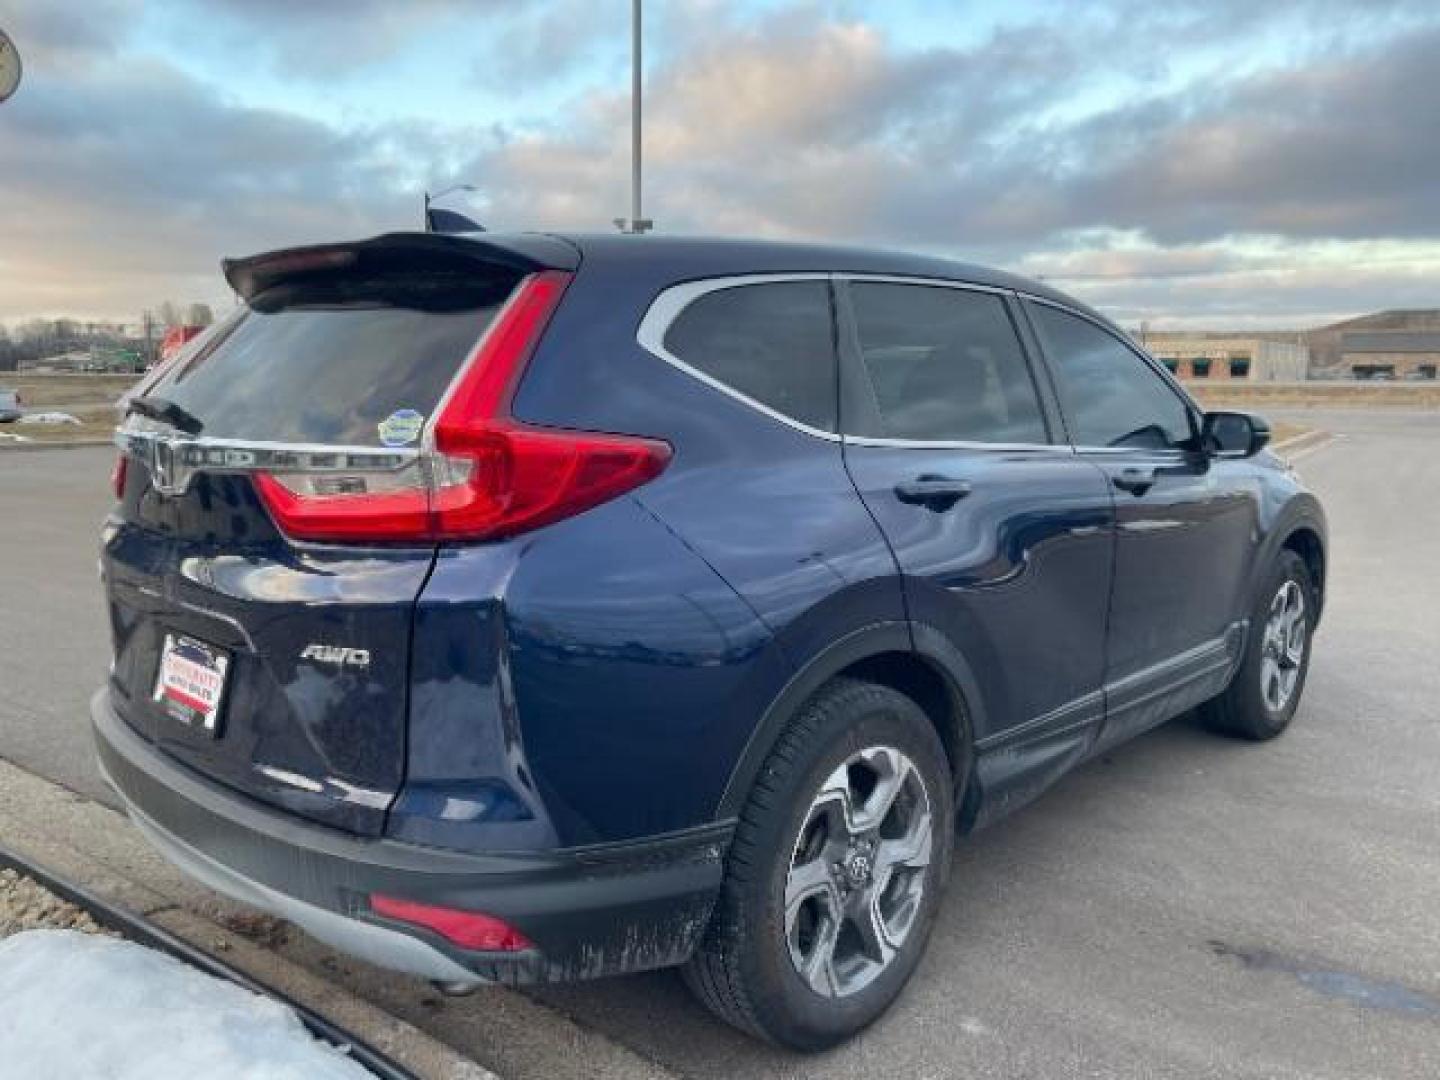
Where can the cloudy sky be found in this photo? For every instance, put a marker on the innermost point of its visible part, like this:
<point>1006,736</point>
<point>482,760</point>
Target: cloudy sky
<point>1212,162</point>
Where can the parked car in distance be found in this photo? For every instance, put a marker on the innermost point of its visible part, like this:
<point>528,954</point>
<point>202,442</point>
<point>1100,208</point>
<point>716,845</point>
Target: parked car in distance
<point>12,406</point>
<point>523,607</point>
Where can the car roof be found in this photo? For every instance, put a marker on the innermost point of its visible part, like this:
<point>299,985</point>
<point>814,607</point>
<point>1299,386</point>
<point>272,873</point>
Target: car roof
<point>667,257</point>
<point>711,256</point>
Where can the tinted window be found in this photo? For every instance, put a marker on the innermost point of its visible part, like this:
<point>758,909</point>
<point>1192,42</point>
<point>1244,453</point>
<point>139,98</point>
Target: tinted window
<point>944,365</point>
<point>330,365</point>
<point>1111,396</point>
<point>773,343</point>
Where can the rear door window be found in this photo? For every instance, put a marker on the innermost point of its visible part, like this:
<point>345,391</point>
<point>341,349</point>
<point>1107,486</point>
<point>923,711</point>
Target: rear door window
<point>771,342</point>
<point>944,365</point>
<point>344,364</point>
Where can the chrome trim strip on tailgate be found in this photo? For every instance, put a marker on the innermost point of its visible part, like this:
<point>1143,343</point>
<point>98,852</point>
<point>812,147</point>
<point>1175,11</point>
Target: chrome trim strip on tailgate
<point>174,459</point>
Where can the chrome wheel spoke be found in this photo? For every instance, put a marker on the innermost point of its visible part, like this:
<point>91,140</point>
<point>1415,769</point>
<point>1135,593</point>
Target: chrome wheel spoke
<point>817,967</point>
<point>911,850</point>
<point>893,769</point>
<point>836,801</point>
<point>1295,651</point>
<point>807,880</point>
<point>874,934</point>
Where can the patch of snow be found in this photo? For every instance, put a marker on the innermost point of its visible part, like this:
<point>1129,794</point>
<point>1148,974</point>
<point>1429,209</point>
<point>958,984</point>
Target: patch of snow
<point>7,437</point>
<point>77,1005</point>
<point>48,418</point>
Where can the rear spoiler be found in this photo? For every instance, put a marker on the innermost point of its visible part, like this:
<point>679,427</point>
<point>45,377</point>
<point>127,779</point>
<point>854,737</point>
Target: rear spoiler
<point>525,253</point>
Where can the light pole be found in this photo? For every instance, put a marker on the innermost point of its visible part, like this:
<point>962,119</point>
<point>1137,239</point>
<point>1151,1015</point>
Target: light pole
<point>429,198</point>
<point>635,223</point>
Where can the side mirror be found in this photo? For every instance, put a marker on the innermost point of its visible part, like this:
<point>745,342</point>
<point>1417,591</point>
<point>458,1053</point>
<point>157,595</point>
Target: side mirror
<point>1233,434</point>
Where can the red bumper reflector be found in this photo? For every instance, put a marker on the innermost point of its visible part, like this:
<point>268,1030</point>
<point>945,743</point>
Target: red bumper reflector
<point>117,475</point>
<point>468,929</point>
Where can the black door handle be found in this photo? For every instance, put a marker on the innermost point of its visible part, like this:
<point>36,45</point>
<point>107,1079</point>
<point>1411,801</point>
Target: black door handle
<point>1135,481</point>
<point>936,493</point>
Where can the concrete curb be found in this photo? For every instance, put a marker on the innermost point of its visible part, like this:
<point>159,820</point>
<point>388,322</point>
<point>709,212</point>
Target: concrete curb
<point>437,1038</point>
<point>94,847</point>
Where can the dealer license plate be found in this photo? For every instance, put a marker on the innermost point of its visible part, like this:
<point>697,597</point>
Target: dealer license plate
<point>191,683</point>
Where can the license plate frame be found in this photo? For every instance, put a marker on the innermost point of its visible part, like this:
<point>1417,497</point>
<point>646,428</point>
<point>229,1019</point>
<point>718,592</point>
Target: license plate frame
<point>190,683</point>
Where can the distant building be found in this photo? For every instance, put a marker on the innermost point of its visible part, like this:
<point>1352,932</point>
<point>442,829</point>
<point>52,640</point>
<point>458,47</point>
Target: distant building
<point>1220,355</point>
<point>1386,345</point>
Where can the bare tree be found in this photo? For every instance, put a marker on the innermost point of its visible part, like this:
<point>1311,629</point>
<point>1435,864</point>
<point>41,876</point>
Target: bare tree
<point>35,331</point>
<point>199,315</point>
<point>169,313</point>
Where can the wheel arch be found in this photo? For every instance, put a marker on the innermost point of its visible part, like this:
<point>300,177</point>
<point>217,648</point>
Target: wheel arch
<point>1307,542</point>
<point>923,665</point>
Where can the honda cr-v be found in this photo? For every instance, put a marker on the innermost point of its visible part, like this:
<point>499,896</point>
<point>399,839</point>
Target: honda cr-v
<point>526,607</point>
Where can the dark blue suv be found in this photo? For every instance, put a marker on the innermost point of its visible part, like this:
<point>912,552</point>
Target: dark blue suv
<point>530,607</point>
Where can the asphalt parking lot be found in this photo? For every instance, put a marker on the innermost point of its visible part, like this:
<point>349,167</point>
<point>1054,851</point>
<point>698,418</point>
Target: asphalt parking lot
<point>1184,907</point>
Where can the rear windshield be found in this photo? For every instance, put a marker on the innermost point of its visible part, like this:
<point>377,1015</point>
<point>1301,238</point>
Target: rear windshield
<point>354,363</point>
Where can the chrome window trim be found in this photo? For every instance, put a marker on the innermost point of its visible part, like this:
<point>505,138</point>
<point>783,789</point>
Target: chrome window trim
<point>667,306</point>
<point>956,444</point>
<point>911,279</point>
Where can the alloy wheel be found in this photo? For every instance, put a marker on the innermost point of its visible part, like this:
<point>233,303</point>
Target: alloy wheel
<point>1283,646</point>
<point>858,871</point>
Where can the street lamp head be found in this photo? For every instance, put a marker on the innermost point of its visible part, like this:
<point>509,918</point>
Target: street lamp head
<point>9,66</point>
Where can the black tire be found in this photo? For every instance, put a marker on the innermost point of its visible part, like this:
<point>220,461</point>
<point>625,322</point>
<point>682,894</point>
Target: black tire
<point>1242,710</point>
<point>743,969</point>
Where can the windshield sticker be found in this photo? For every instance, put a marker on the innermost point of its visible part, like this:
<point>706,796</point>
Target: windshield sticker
<point>401,428</point>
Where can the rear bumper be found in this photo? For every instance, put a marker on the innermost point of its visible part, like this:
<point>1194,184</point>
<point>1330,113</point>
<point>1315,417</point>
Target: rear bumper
<point>592,911</point>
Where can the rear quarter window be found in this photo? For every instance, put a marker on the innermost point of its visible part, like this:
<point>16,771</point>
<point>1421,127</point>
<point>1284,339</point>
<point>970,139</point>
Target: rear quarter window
<point>773,342</point>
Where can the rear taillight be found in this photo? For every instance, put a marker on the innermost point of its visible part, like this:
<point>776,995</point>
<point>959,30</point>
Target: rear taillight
<point>468,929</point>
<point>117,475</point>
<point>487,475</point>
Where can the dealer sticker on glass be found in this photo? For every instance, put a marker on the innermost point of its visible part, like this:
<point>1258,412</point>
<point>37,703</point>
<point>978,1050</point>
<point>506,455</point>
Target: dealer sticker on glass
<point>191,683</point>
<point>401,428</point>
